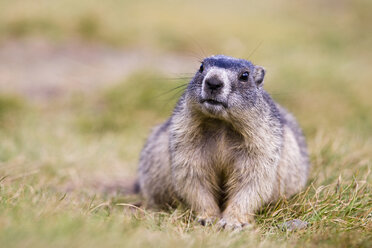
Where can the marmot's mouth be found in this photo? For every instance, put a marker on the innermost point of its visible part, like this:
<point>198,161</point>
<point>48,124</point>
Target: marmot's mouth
<point>214,102</point>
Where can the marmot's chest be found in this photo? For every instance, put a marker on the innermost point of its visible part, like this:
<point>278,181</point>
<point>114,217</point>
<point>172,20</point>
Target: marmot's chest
<point>221,146</point>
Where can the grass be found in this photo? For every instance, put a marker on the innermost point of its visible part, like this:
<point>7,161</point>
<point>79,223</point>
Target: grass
<point>116,108</point>
<point>57,159</point>
<point>53,161</point>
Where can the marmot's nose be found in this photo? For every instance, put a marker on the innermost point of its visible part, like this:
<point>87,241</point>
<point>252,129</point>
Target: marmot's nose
<point>213,83</point>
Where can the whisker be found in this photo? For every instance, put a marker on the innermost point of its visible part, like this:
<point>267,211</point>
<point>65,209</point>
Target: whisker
<point>178,78</point>
<point>199,47</point>
<point>193,55</point>
<point>183,86</point>
<point>255,49</point>
<point>176,94</point>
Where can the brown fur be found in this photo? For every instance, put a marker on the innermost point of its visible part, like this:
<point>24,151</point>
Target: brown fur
<point>224,164</point>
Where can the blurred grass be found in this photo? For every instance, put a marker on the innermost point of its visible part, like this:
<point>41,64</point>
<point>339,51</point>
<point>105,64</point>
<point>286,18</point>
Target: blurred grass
<point>318,58</point>
<point>11,108</point>
<point>237,27</point>
<point>143,99</point>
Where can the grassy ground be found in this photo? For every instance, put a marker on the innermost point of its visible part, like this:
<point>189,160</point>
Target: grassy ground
<point>59,160</point>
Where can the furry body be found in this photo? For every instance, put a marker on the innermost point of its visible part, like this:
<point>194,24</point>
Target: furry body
<point>227,149</point>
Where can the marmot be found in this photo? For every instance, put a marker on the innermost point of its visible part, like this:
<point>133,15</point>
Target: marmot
<point>226,150</point>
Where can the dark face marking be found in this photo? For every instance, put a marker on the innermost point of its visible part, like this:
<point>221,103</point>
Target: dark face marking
<point>226,62</point>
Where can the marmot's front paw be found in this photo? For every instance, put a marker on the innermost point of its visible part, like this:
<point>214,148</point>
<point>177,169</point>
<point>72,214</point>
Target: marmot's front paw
<point>206,221</point>
<point>233,224</point>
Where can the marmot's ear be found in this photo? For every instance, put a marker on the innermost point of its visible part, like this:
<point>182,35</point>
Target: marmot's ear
<point>258,75</point>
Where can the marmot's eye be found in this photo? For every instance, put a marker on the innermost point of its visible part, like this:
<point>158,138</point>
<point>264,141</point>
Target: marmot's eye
<point>201,69</point>
<point>244,76</point>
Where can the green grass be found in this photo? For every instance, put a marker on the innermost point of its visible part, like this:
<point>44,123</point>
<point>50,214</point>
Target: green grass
<point>56,158</point>
<point>52,160</point>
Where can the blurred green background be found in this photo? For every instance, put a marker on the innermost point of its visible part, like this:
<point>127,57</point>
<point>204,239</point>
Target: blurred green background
<point>82,83</point>
<point>317,53</point>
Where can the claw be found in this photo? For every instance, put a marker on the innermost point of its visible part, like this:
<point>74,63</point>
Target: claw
<point>235,226</point>
<point>206,221</point>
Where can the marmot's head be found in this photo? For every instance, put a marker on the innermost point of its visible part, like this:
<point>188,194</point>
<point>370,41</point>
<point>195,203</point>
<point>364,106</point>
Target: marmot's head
<point>225,85</point>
